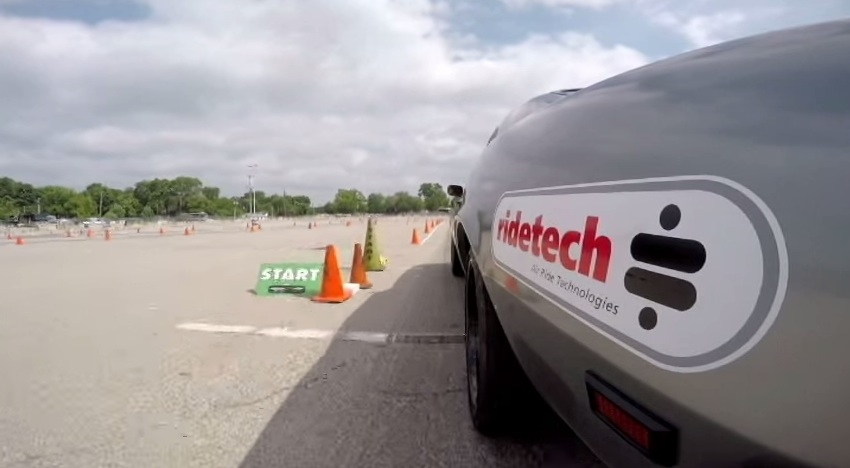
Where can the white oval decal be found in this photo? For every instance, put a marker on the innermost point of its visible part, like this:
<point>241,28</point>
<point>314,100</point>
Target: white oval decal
<point>686,272</point>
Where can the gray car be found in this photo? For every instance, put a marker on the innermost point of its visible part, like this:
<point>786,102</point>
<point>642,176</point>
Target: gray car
<point>663,257</point>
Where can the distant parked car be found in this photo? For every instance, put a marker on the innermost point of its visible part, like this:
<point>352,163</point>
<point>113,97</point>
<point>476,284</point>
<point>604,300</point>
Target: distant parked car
<point>663,257</point>
<point>92,222</point>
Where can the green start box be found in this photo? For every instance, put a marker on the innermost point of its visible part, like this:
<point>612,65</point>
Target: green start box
<point>292,279</point>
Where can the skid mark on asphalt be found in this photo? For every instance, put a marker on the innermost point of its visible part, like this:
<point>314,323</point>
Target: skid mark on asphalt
<point>316,334</point>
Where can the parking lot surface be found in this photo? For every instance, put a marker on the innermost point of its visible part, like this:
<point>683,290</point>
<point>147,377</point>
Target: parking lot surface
<point>152,350</point>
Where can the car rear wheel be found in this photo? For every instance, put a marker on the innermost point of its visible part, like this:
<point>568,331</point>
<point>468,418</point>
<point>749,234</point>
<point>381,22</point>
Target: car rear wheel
<point>457,265</point>
<point>497,388</point>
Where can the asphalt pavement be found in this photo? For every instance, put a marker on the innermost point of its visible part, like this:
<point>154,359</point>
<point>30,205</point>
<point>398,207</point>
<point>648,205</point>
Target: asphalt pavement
<point>154,352</point>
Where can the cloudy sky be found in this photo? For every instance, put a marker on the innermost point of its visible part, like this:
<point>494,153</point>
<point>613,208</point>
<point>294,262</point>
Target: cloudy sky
<point>378,95</point>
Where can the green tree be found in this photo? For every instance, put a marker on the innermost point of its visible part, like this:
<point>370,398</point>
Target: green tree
<point>54,200</point>
<point>132,206</point>
<point>429,189</point>
<point>300,205</point>
<point>211,193</point>
<point>19,196</point>
<point>376,203</point>
<point>158,197</point>
<point>197,203</point>
<point>433,196</point>
<point>7,208</point>
<point>403,202</point>
<point>182,189</point>
<point>226,207</point>
<point>115,211</point>
<point>80,206</point>
<point>103,196</point>
<point>349,201</point>
<point>155,194</point>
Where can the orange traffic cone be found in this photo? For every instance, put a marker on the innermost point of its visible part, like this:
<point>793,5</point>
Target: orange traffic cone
<point>107,235</point>
<point>427,227</point>
<point>358,269</point>
<point>20,241</point>
<point>333,289</point>
<point>416,240</point>
<point>187,232</point>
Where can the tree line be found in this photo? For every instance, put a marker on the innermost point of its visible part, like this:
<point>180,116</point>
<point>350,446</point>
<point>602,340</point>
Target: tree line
<point>173,197</point>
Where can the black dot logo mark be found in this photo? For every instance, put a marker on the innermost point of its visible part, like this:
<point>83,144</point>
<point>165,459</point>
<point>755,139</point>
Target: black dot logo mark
<point>670,217</point>
<point>648,318</point>
<point>672,253</point>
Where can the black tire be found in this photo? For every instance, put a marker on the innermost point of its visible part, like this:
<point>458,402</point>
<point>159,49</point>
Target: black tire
<point>457,265</point>
<point>497,388</point>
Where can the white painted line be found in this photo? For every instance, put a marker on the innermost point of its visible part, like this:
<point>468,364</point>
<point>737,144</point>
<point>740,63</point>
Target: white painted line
<point>216,328</point>
<point>274,331</point>
<point>429,235</point>
<point>316,334</point>
<point>289,333</point>
<point>369,337</point>
<point>309,333</point>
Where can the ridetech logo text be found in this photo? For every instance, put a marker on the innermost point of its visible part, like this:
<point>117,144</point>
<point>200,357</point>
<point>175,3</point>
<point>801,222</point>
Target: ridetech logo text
<point>554,247</point>
<point>548,243</point>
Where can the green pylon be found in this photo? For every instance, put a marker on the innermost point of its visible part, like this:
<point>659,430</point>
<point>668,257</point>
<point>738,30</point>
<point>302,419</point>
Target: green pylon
<point>372,257</point>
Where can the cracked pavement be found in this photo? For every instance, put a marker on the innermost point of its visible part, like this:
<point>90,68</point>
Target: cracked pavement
<point>96,374</point>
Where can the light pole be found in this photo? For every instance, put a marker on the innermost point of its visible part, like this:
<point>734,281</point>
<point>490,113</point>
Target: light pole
<point>251,188</point>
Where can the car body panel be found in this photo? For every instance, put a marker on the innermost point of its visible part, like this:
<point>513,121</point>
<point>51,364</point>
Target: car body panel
<point>769,113</point>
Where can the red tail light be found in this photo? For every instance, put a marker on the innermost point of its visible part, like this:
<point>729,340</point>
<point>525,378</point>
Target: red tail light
<point>646,432</point>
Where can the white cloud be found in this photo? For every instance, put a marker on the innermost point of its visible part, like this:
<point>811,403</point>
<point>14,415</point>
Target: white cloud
<point>708,22</point>
<point>598,4</point>
<point>703,30</point>
<point>322,94</point>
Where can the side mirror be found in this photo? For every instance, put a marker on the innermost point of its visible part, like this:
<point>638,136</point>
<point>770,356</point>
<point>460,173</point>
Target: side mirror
<point>455,190</point>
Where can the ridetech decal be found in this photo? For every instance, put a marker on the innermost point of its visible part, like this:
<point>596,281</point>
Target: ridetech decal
<point>686,272</point>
